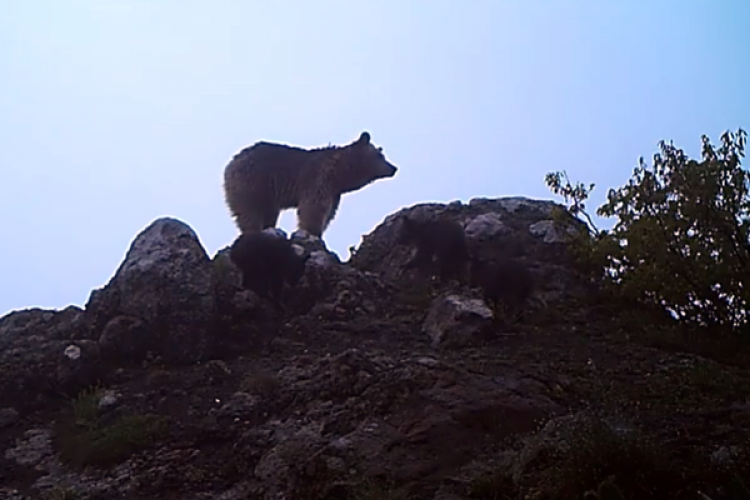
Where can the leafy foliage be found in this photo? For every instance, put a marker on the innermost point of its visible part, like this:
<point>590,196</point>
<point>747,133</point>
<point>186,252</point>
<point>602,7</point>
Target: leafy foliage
<point>681,236</point>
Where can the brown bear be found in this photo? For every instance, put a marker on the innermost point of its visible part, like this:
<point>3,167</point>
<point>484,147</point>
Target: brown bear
<point>266,261</point>
<point>440,246</point>
<point>502,280</point>
<point>266,178</point>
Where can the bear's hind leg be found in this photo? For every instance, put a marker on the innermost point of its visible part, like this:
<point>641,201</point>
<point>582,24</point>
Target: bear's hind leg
<point>270,217</point>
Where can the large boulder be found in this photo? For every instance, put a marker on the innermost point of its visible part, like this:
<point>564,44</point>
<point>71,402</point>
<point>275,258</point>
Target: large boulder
<point>456,321</point>
<point>513,227</point>
<point>165,289</point>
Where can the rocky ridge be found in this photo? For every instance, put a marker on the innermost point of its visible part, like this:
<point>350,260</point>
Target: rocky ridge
<point>173,382</point>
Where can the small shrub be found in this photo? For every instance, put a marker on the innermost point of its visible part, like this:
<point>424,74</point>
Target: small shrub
<point>635,463</point>
<point>717,381</point>
<point>86,406</point>
<point>371,489</point>
<point>732,476</point>
<point>111,444</point>
<point>607,490</point>
<point>728,348</point>
<point>86,439</point>
<point>496,486</point>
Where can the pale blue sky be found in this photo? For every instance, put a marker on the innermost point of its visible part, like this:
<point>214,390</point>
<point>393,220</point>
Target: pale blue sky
<point>114,113</point>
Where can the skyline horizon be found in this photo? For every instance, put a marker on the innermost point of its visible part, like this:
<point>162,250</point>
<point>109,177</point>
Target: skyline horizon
<point>117,113</point>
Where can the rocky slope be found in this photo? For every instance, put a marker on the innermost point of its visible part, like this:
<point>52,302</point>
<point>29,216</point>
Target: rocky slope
<point>174,383</point>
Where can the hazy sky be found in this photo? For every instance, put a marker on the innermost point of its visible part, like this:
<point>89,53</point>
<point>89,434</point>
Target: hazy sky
<point>114,113</point>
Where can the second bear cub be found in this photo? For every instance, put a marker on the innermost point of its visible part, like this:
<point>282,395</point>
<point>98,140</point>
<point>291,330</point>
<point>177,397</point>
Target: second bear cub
<point>440,246</point>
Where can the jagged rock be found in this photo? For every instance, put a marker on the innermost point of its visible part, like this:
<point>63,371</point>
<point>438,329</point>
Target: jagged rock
<point>35,448</point>
<point>42,353</point>
<point>547,230</point>
<point>328,288</point>
<point>65,324</point>
<point>125,338</point>
<point>411,412</point>
<point>293,465</point>
<point>11,494</point>
<point>455,321</point>
<point>513,204</point>
<point>79,365</point>
<point>22,325</point>
<point>8,416</point>
<point>166,281</point>
<point>343,386</point>
<point>413,415</point>
<point>108,400</point>
<point>486,226</point>
<point>240,491</point>
<point>515,227</point>
<point>308,241</point>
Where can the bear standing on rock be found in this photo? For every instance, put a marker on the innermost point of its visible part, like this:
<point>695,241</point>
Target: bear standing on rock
<point>266,178</point>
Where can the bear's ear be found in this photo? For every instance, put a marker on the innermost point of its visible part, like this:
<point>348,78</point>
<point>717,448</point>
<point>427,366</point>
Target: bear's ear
<point>364,139</point>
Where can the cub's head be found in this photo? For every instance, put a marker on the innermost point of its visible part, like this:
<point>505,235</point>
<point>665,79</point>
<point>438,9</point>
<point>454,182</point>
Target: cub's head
<point>366,163</point>
<point>409,232</point>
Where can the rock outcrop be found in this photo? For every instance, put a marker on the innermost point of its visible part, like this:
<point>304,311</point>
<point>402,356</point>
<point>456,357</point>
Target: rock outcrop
<point>163,290</point>
<point>174,382</point>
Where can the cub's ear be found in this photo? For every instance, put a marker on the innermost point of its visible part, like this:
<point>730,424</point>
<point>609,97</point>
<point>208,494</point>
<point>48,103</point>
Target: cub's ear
<point>364,139</point>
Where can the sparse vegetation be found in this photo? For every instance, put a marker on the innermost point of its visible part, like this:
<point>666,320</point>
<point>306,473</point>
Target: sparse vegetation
<point>607,490</point>
<point>376,490</point>
<point>604,462</point>
<point>86,406</point>
<point>635,462</point>
<point>92,437</point>
<point>498,485</point>
<point>720,383</point>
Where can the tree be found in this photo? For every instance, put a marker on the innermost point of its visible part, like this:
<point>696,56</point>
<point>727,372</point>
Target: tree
<point>681,236</point>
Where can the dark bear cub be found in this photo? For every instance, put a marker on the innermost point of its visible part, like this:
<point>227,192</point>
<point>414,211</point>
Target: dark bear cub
<point>266,262</point>
<point>441,247</point>
<point>503,281</point>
